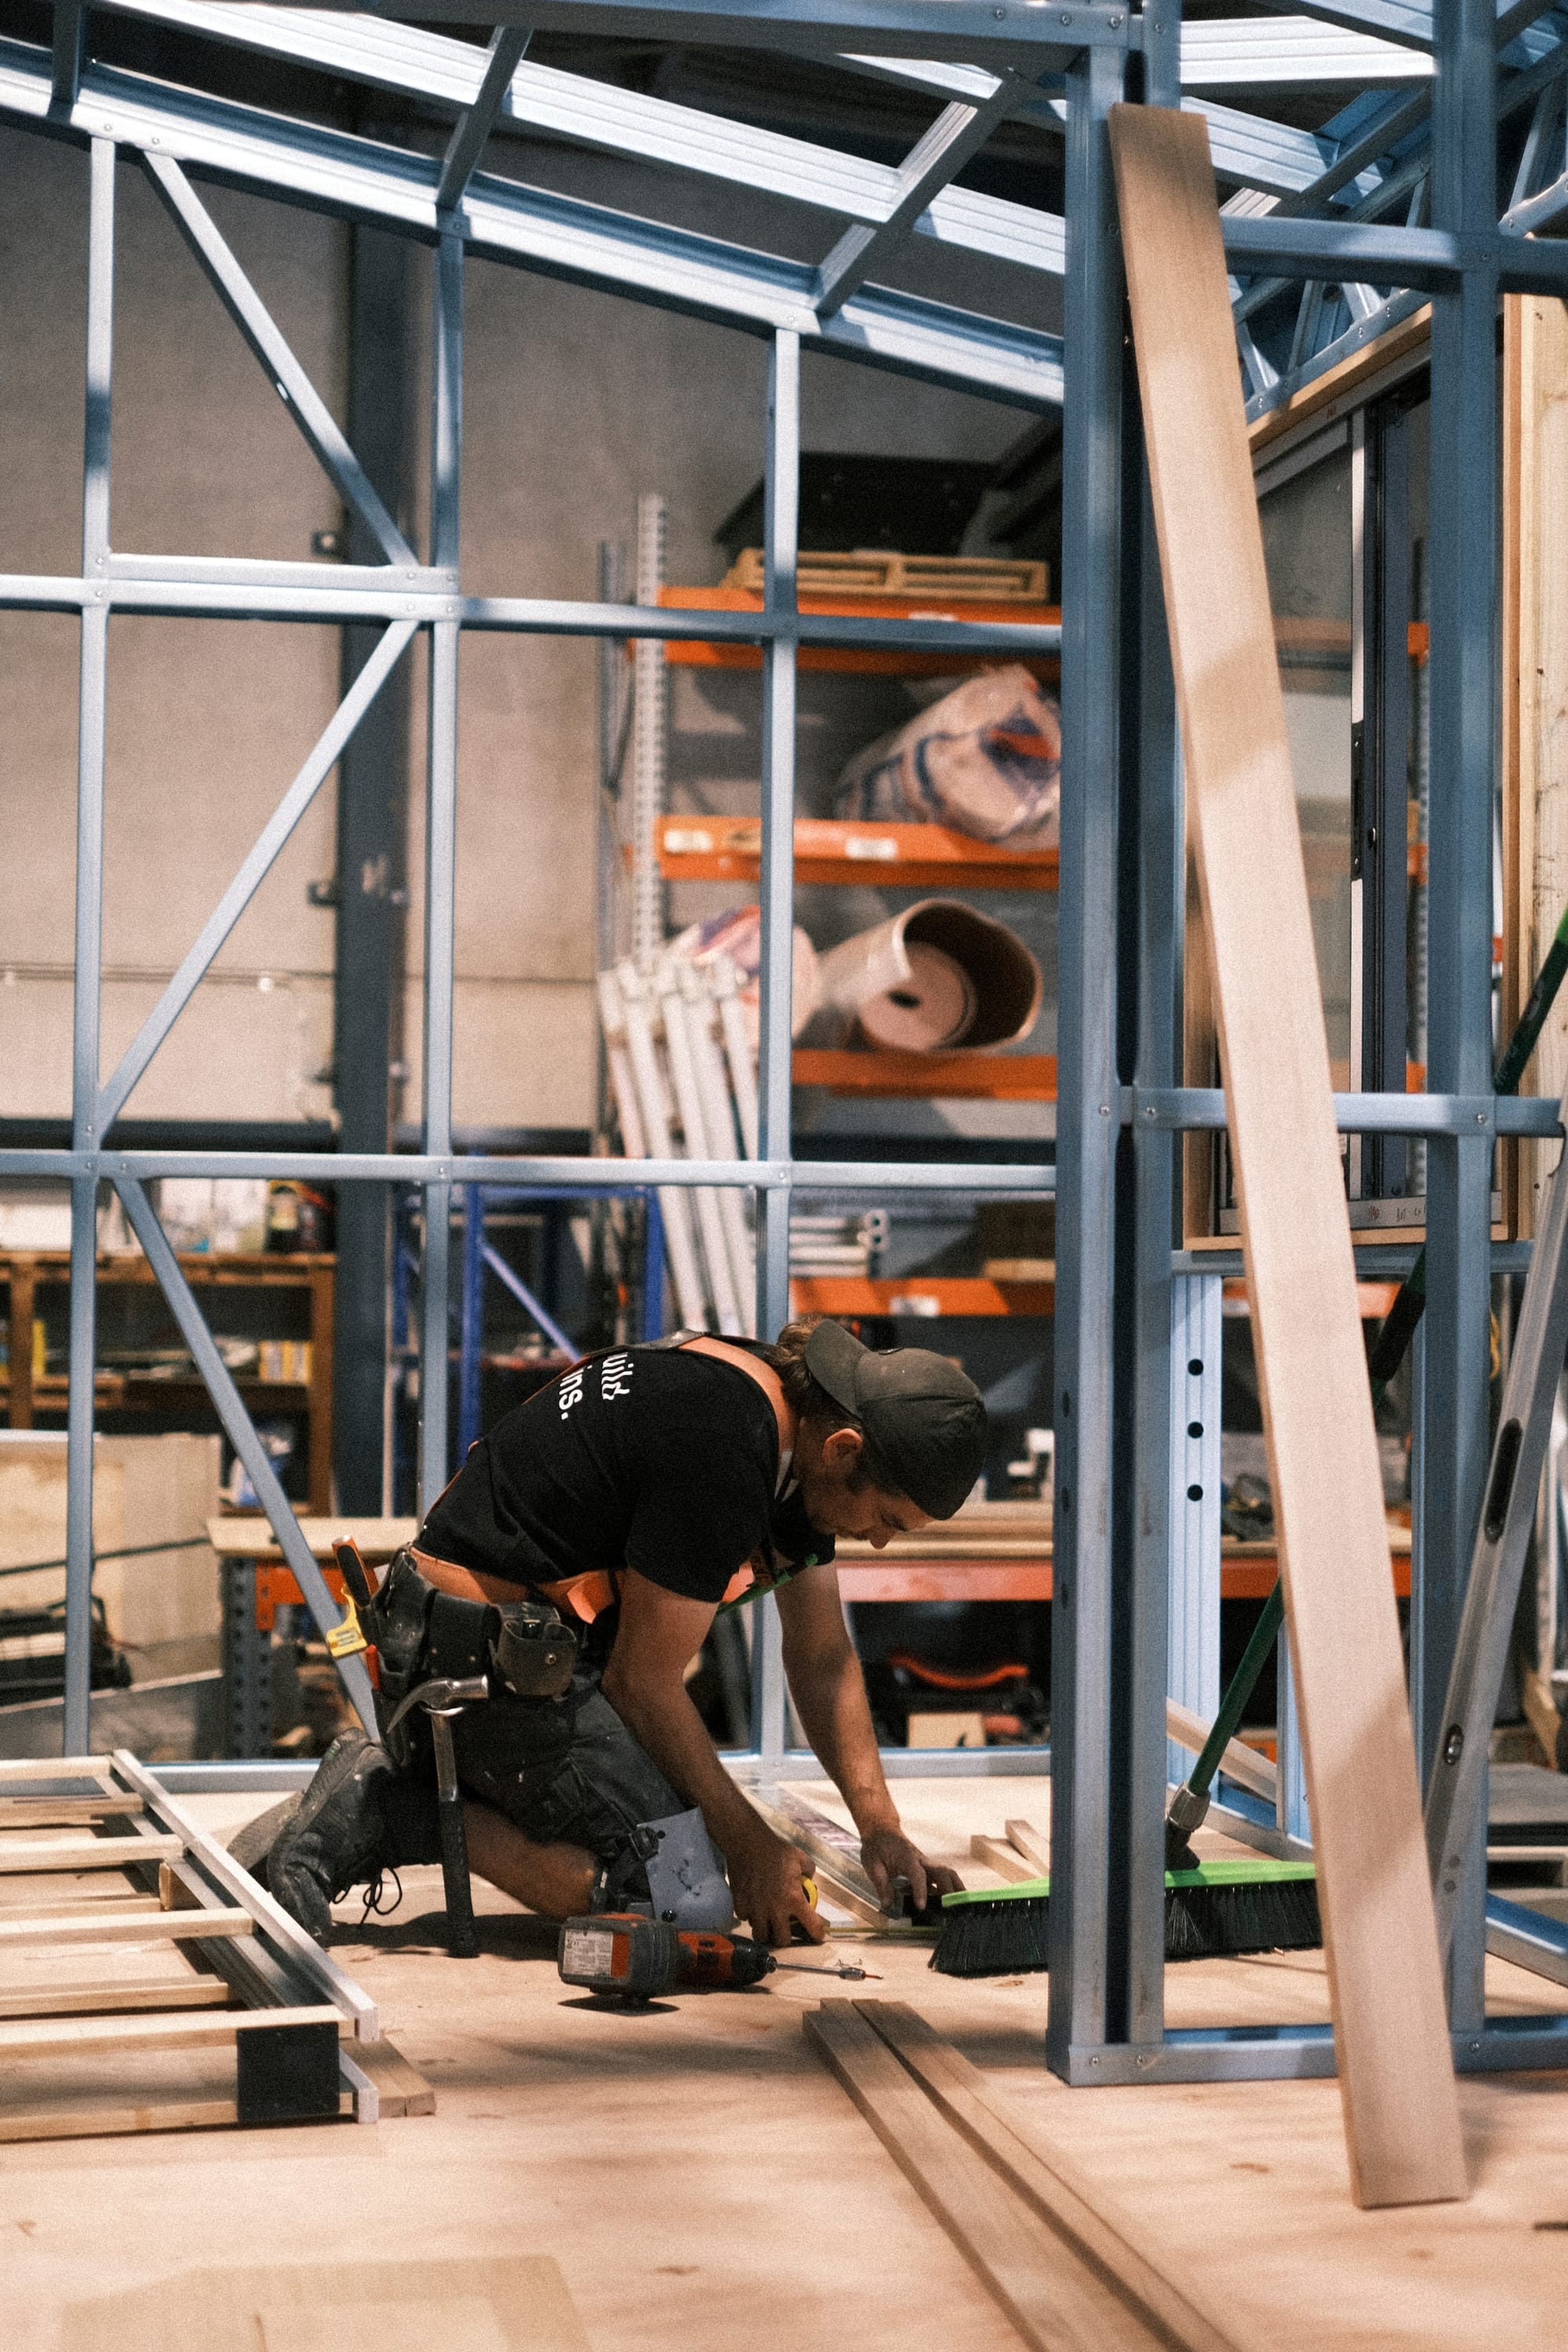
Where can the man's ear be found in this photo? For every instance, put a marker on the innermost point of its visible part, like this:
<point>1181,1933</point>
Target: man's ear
<point>842,1450</point>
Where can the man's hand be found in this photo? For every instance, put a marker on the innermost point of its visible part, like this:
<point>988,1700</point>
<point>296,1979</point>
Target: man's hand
<point>889,1854</point>
<point>765,1877</point>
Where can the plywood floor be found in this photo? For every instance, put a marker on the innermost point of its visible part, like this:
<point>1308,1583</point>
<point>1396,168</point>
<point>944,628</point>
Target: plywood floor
<point>703,2183</point>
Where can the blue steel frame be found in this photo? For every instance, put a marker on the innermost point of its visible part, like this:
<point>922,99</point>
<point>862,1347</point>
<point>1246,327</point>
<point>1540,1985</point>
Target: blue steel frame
<point>1433,148</point>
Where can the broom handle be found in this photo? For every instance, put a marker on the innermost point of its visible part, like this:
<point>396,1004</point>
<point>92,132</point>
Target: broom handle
<point>1255,1657</point>
<point>1394,1335</point>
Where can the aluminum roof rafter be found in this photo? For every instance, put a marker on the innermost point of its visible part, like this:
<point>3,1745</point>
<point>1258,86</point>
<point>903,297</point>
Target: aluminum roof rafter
<point>431,66</point>
<point>500,220</point>
<point>1359,168</point>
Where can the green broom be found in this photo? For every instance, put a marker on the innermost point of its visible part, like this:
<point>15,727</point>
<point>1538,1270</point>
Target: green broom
<point>1216,1911</point>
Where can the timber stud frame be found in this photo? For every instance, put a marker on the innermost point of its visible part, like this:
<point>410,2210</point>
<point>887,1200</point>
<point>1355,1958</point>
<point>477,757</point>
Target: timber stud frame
<point>1316,271</point>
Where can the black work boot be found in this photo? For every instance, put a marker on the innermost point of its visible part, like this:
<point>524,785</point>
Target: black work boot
<point>358,1819</point>
<point>620,1883</point>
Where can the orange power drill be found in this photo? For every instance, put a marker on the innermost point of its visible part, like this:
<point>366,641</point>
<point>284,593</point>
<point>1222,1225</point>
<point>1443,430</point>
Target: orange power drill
<point>633,1959</point>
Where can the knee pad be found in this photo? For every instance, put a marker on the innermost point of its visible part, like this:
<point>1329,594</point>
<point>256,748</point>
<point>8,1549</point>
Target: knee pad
<point>686,1876</point>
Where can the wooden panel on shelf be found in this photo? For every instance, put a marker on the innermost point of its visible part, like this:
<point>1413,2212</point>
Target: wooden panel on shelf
<point>246,1535</point>
<point>1391,2032</point>
<point>887,1076</point>
<point>832,850</point>
<point>876,661</point>
<point>882,572</point>
<point>29,1271</point>
<point>927,1295</point>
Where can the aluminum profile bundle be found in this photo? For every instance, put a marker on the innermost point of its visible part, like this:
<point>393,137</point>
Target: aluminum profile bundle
<point>684,1082</point>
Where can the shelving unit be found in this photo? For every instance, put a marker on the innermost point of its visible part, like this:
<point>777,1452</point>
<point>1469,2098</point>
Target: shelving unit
<point>25,1273</point>
<point>864,661</point>
<point>831,851</point>
<point>919,1295</point>
<point>881,1074</point>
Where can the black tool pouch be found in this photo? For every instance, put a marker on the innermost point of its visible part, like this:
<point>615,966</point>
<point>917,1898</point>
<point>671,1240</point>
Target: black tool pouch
<point>533,1652</point>
<point>401,1612</point>
<point>458,1642</point>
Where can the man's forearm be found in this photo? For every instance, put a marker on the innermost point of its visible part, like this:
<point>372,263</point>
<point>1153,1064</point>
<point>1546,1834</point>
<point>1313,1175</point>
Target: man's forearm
<point>829,1694</point>
<point>670,1731</point>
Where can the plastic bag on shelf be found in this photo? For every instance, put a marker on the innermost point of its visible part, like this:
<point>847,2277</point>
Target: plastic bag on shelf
<point>985,760</point>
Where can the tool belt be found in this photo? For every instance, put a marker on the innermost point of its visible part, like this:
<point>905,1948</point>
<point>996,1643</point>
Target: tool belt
<point>523,1646</point>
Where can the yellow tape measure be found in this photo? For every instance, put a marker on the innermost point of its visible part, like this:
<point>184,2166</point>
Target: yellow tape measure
<point>347,1640</point>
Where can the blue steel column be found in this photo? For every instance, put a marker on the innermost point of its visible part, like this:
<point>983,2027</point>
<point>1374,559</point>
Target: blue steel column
<point>1086,1065</point>
<point>440,868</point>
<point>94,679</point>
<point>1153,867</point>
<point>473,1313</point>
<point>781,532</point>
<point>1464,530</point>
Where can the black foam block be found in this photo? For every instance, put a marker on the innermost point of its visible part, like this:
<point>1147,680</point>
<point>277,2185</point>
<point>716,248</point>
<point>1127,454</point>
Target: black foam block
<point>286,2074</point>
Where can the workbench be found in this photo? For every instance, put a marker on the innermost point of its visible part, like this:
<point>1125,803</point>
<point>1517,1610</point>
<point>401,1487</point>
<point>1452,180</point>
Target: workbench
<point>938,1564</point>
<point>1000,1552</point>
<point>256,1584</point>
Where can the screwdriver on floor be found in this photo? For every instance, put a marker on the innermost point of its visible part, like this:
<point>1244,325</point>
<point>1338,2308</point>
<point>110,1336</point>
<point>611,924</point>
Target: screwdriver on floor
<point>624,1954</point>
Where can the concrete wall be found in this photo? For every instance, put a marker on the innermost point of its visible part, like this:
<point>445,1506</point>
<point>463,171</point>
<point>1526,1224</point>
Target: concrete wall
<point>207,720</point>
<point>576,402</point>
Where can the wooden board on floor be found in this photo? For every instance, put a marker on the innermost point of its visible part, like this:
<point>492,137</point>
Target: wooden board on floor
<point>126,1923</point>
<point>235,2310</point>
<point>32,1856</point>
<point>71,2037</point>
<point>997,1855</point>
<point>1395,2066</point>
<point>1036,1848</point>
<point>402,2088</point>
<point>114,1999</point>
<point>1056,2302</point>
<point>1083,2218</point>
<point>64,1812</point>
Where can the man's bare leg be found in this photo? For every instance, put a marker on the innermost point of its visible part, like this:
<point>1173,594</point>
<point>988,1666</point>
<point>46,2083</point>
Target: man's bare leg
<point>556,1880</point>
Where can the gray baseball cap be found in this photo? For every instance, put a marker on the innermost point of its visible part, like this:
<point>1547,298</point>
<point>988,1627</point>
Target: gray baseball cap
<point>925,1418</point>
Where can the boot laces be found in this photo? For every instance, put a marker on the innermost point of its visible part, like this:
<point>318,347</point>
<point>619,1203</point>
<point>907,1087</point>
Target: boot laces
<point>375,1904</point>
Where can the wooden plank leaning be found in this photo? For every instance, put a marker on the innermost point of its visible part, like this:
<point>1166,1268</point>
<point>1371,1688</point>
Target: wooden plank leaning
<point>1396,2064</point>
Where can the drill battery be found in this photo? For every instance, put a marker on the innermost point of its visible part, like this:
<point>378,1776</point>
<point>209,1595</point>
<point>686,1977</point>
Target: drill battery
<point>626,1957</point>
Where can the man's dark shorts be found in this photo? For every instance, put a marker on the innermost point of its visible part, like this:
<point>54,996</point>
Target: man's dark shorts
<point>565,1769</point>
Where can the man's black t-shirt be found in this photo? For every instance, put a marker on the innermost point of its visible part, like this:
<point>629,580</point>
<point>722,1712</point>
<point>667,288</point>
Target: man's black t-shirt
<point>652,1458</point>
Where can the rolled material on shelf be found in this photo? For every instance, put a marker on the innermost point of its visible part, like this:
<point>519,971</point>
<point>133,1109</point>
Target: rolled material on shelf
<point>986,760</point>
<point>938,977</point>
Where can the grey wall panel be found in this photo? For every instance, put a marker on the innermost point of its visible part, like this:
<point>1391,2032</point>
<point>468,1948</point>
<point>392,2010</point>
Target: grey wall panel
<point>42,300</point>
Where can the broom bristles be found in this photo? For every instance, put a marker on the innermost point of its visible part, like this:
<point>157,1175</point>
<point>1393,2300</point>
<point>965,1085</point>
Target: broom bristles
<point>1226,1909</point>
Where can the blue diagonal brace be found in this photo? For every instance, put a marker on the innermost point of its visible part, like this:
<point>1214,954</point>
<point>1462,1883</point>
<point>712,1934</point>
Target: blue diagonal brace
<point>242,1435</point>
